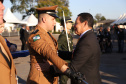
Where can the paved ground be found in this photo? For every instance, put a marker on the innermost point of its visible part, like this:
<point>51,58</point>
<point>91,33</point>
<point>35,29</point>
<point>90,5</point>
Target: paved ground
<point>112,68</point>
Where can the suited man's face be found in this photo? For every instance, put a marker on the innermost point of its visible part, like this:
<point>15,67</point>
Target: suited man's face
<point>78,27</point>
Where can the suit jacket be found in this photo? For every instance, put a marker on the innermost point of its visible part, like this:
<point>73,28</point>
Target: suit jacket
<point>86,58</point>
<point>22,33</point>
<point>42,47</point>
<point>7,73</point>
<point>26,35</point>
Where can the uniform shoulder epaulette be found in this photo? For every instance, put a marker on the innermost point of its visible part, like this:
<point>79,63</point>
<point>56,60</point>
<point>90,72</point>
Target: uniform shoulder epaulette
<point>35,31</point>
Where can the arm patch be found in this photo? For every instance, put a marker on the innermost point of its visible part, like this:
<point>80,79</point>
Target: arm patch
<point>35,38</point>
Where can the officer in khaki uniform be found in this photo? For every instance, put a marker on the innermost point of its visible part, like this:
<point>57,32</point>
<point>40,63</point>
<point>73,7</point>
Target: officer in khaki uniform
<point>7,67</point>
<point>63,43</point>
<point>43,48</point>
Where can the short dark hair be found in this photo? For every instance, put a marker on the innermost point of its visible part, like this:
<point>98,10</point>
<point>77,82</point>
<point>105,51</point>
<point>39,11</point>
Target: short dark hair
<point>87,17</point>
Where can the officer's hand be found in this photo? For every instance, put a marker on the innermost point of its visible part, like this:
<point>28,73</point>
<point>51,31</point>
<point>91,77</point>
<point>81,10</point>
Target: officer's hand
<point>42,66</point>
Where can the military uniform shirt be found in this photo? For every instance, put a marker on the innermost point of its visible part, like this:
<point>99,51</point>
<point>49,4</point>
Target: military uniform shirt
<point>62,42</point>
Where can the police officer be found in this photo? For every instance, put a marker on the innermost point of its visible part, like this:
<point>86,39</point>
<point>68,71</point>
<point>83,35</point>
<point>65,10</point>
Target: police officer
<point>63,43</point>
<point>7,67</point>
<point>43,48</point>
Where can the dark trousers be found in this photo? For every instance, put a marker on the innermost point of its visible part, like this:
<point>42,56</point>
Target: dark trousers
<point>24,46</point>
<point>120,46</point>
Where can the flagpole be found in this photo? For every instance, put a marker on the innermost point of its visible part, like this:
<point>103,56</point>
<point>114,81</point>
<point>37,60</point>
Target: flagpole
<point>66,32</point>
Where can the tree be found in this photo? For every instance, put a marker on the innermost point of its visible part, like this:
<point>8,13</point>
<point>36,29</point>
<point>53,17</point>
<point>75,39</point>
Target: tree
<point>98,16</point>
<point>103,18</point>
<point>95,21</point>
<point>27,7</point>
<point>62,6</point>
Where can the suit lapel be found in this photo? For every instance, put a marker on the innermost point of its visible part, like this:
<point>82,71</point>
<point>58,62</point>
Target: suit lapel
<point>2,40</point>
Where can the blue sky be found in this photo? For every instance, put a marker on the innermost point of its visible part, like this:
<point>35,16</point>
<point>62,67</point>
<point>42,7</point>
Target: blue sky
<point>111,9</point>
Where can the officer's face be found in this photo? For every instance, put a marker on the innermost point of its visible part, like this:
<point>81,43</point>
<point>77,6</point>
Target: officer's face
<point>51,22</point>
<point>1,12</point>
<point>78,27</point>
<point>68,25</point>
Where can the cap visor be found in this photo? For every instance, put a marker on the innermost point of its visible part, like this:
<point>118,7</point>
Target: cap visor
<point>70,21</point>
<point>54,15</point>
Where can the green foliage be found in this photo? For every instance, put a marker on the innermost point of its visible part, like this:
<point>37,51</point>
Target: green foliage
<point>99,17</point>
<point>27,7</point>
<point>103,18</point>
<point>20,5</point>
<point>95,21</point>
<point>62,6</point>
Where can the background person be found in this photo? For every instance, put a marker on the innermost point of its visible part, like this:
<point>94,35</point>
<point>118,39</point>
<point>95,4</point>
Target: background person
<point>120,34</point>
<point>100,37</point>
<point>24,34</point>
<point>63,43</point>
<point>107,36</point>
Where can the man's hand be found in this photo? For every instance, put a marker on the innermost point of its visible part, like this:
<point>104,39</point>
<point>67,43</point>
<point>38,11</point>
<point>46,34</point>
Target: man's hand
<point>12,48</point>
<point>77,76</point>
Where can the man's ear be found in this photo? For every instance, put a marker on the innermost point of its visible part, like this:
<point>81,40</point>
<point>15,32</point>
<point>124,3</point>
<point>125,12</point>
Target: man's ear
<point>85,23</point>
<point>43,19</point>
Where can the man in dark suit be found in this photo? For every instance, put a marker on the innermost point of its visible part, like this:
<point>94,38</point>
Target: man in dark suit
<point>86,56</point>
<point>26,34</point>
<point>24,37</point>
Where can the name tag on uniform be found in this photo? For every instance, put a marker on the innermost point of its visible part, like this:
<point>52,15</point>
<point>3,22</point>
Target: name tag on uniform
<point>35,38</point>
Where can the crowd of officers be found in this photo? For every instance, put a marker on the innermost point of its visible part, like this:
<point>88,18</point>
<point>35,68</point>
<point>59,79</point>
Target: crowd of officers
<point>105,37</point>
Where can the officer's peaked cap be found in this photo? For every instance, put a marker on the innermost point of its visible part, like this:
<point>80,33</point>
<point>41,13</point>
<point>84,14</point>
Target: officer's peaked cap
<point>52,10</point>
<point>67,19</point>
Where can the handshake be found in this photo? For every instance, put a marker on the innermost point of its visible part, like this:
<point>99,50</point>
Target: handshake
<point>77,76</point>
